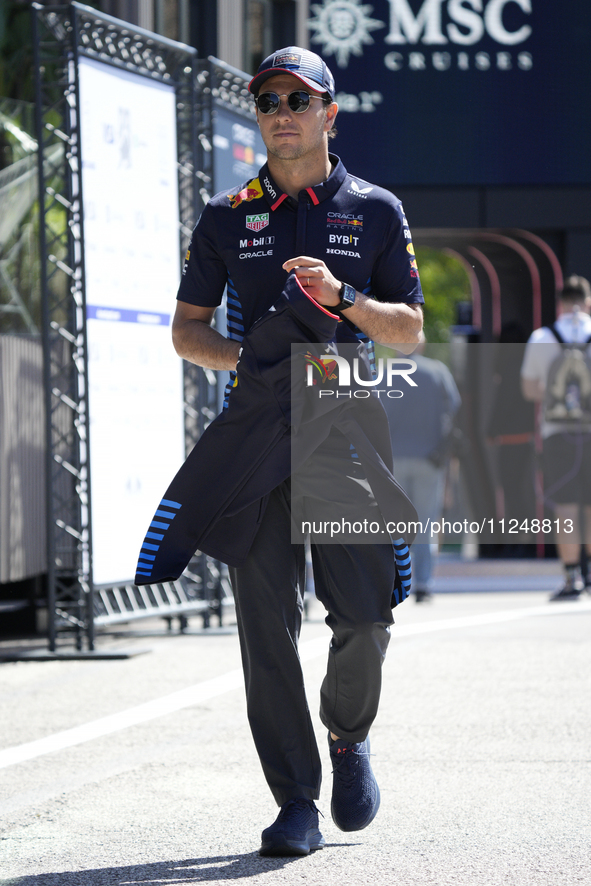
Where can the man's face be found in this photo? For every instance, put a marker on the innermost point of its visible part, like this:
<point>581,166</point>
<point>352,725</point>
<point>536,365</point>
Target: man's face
<point>290,136</point>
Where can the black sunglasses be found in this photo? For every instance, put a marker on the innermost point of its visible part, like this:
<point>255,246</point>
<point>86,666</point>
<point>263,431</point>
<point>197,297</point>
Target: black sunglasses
<point>298,101</point>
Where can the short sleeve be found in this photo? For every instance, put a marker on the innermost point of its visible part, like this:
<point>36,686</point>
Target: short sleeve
<point>529,369</point>
<point>204,273</point>
<point>540,351</point>
<point>395,276</point>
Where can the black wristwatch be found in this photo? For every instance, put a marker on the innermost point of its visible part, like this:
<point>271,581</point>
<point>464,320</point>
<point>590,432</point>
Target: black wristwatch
<point>347,295</point>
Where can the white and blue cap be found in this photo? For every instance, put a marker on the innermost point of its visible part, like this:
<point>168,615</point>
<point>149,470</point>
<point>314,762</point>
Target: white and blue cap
<point>303,64</point>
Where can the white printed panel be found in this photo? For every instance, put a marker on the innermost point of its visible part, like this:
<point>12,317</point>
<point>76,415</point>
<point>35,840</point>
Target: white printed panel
<point>131,250</point>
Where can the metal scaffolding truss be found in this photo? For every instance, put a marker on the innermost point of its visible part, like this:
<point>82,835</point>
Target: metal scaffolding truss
<point>217,85</point>
<point>229,88</point>
<point>61,35</point>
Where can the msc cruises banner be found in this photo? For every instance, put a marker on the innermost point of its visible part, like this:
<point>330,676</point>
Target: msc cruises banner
<point>460,91</point>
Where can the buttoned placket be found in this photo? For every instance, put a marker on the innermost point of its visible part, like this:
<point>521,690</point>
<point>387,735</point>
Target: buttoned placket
<point>302,223</point>
<point>307,198</point>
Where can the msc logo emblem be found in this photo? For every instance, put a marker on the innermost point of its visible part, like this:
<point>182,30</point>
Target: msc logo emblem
<point>343,26</point>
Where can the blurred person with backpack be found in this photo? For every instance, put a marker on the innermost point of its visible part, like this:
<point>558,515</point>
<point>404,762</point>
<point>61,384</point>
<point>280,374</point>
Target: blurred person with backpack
<point>556,372</point>
<point>511,431</point>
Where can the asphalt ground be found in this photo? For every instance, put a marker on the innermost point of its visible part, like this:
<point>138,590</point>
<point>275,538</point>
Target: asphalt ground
<point>482,752</point>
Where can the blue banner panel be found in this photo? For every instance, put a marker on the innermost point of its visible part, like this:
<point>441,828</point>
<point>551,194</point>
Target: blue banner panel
<point>239,151</point>
<point>460,92</point>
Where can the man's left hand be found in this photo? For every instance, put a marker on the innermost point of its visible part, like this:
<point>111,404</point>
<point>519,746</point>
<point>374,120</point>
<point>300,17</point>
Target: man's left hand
<point>316,279</point>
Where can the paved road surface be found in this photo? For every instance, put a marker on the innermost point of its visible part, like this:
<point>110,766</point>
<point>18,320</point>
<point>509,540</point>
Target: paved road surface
<point>482,751</point>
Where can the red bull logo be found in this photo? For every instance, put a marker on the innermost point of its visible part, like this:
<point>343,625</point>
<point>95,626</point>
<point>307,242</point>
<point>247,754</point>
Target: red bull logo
<point>252,191</point>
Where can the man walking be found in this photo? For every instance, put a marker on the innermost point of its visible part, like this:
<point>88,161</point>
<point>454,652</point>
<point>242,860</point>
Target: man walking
<point>347,243</point>
<point>558,375</point>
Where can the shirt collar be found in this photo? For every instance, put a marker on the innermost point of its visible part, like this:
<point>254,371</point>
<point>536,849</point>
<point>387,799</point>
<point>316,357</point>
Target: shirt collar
<point>275,196</point>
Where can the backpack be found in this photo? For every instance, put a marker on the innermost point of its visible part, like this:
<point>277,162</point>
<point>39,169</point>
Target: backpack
<point>568,386</point>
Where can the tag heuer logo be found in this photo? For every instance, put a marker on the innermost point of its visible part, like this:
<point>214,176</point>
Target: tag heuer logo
<point>257,222</point>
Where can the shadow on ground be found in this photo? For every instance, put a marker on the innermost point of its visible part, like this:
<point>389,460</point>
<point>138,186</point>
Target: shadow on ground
<point>191,870</point>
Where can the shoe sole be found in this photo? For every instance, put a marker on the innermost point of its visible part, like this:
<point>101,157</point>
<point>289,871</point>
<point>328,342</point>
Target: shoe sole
<point>290,848</point>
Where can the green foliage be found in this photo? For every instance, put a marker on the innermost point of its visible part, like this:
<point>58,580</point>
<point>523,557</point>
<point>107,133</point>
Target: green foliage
<point>445,282</point>
<point>20,284</point>
<point>16,51</point>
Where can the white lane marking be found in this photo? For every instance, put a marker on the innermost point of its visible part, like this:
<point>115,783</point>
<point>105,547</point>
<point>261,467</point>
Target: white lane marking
<point>201,692</point>
<point>469,621</point>
<point>184,698</point>
<point>316,647</point>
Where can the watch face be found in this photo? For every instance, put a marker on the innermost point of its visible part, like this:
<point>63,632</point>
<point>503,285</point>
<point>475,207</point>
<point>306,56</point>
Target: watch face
<point>348,296</point>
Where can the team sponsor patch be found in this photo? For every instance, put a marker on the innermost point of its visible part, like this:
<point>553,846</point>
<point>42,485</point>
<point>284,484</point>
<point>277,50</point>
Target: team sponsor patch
<point>347,252</point>
<point>252,191</point>
<point>344,221</point>
<point>257,222</point>
<point>343,239</point>
<point>257,241</point>
<point>410,248</point>
<point>270,188</point>
<point>287,58</point>
<point>359,192</point>
<point>261,253</point>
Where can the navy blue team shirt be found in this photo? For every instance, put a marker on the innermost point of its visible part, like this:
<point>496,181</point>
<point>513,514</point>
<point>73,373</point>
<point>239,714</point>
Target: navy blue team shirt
<point>245,235</point>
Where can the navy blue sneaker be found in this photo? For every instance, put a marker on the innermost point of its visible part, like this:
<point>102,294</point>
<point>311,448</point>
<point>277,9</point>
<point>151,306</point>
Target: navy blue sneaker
<point>355,793</point>
<point>295,830</point>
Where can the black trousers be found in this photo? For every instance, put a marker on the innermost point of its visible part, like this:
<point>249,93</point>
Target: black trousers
<point>354,582</point>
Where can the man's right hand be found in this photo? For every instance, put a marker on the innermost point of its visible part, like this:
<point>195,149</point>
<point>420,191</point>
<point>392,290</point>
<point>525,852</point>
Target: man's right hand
<point>195,340</point>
